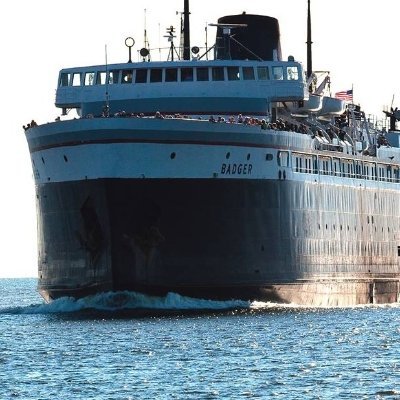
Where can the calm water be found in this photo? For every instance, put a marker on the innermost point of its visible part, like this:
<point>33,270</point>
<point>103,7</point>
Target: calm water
<point>133,347</point>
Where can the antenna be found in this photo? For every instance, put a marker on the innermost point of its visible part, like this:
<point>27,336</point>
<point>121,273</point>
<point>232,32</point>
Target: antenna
<point>206,43</point>
<point>146,43</point>
<point>309,42</point>
<point>159,40</point>
<point>181,38</point>
<point>170,36</point>
<point>106,109</point>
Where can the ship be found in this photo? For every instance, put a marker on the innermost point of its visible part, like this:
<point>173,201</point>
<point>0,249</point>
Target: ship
<point>224,173</point>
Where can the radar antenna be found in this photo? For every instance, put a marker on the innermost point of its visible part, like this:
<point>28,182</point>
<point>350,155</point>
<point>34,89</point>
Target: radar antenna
<point>393,115</point>
<point>172,49</point>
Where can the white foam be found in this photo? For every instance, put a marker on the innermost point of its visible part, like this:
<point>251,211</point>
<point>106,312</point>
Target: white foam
<point>260,305</point>
<point>114,301</point>
<point>119,301</point>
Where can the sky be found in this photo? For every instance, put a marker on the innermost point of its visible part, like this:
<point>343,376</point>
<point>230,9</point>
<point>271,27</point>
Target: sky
<point>357,41</point>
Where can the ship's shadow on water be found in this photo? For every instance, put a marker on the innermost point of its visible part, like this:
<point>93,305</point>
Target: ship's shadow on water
<point>124,305</point>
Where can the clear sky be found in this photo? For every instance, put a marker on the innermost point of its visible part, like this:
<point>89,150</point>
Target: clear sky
<point>357,41</point>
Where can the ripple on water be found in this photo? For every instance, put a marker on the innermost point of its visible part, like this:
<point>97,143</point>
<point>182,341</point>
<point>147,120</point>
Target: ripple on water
<point>255,351</point>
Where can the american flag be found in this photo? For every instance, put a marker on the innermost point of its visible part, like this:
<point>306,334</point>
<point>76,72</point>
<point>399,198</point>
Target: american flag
<point>346,95</point>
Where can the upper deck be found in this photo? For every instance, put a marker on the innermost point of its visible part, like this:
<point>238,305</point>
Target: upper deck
<point>189,87</point>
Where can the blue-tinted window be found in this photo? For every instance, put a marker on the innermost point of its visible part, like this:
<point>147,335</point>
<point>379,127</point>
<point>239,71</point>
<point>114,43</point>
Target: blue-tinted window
<point>202,74</point>
<point>141,75</point>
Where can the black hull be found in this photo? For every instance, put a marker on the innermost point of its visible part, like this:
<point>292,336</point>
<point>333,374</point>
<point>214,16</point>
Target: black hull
<point>217,239</point>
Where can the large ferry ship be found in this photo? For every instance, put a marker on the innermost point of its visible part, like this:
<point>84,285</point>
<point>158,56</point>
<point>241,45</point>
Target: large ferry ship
<point>231,177</point>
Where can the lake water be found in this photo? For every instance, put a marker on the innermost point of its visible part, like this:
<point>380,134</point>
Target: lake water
<point>128,346</point>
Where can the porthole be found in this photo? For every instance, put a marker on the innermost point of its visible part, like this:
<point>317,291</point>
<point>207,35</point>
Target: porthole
<point>173,155</point>
<point>269,157</point>
<point>248,156</point>
<point>228,154</point>
<point>65,158</point>
<point>42,160</point>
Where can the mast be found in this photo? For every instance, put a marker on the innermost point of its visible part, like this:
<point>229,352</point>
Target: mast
<point>186,32</point>
<point>309,42</point>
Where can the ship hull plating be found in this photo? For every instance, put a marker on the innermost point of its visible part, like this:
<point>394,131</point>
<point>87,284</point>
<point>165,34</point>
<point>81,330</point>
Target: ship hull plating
<point>219,238</point>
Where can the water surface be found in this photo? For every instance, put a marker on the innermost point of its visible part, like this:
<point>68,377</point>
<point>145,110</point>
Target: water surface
<point>129,346</point>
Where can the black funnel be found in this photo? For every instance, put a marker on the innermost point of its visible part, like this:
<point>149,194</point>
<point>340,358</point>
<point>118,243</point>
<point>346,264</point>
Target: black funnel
<point>261,37</point>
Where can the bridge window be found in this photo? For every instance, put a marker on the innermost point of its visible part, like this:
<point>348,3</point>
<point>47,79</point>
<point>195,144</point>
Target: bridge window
<point>218,74</point>
<point>113,77</point>
<point>202,74</point>
<point>171,75</point>
<point>156,75</point>
<point>89,78</point>
<point>64,79</point>
<point>76,79</point>
<point>248,73</point>
<point>101,78</point>
<point>277,73</point>
<point>263,73</point>
<point>292,73</point>
<point>127,76</point>
<point>186,74</point>
<point>233,73</point>
<point>141,75</point>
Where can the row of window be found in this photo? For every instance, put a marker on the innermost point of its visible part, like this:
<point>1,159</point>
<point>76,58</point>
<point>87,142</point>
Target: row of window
<point>183,74</point>
<point>347,168</point>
